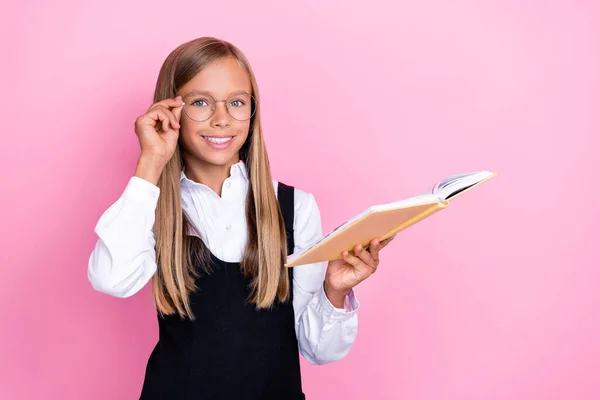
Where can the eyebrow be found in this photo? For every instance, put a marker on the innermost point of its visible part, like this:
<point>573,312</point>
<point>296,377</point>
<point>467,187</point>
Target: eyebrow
<point>212,94</point>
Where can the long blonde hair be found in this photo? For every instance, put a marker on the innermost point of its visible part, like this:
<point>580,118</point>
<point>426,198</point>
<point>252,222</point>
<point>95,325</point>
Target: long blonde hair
<point>176,252</point>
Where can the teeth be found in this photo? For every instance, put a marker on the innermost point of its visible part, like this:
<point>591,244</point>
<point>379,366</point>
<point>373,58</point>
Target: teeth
<point>218,140</point>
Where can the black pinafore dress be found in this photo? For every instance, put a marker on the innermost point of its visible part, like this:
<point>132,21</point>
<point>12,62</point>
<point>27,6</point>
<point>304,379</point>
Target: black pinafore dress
<point>231,350</point>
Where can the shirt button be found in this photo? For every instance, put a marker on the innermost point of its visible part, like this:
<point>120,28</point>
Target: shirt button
<point>228,227</point>
<point>228,184</point>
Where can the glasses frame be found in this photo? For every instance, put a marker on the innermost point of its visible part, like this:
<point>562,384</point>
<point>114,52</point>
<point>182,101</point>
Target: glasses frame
<point>253,100</point>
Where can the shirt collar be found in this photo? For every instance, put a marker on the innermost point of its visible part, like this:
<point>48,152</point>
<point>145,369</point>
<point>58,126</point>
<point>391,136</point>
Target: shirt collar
<point>238,168</point>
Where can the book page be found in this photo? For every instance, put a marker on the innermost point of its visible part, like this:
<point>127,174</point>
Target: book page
<point>451,180</point>
<point>455,184</point>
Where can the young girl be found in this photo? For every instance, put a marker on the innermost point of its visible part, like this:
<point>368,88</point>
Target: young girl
<point>203,218</point>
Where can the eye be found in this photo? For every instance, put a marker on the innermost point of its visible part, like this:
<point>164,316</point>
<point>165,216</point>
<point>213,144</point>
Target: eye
<point>200,103</point>
<point>237,103</point>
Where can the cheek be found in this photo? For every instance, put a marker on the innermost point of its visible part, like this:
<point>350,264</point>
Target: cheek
<point>243,129</point>
<point>188,137</point>
<point>186,125</point>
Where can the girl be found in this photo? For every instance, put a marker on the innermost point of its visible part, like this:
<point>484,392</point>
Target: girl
<point>204,220</point>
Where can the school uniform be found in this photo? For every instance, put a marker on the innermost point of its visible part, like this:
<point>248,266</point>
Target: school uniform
<point>231,350</point>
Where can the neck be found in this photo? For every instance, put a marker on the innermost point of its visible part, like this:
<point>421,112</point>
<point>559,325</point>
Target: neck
<point>208,174</point>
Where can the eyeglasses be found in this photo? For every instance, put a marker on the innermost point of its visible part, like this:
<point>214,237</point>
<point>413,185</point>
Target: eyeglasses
<point>200,106</point>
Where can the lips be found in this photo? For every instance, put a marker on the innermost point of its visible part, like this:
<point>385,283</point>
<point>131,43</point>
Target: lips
<point>218,140</point>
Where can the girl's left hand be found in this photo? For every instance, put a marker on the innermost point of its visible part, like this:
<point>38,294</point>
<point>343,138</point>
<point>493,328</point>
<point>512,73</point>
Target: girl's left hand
<point>344,274</point>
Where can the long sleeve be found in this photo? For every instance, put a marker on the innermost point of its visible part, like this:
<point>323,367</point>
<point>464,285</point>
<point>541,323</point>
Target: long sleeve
<point>123,260</point>
<point>325,333</point>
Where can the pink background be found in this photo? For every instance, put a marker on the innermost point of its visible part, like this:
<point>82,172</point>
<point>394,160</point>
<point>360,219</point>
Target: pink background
<point>495,298</point>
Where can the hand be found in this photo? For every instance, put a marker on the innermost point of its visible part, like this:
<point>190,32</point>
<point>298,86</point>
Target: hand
<point>344,274</point>
<point>158,131</point>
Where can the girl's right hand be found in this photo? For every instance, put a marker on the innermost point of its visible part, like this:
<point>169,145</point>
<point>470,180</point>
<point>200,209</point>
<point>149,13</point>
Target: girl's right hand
<point>158,129</point>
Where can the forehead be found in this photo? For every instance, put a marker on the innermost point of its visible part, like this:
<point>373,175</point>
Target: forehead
<point>220,79</point>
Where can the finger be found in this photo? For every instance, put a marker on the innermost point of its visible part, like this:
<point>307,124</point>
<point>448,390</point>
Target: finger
<point>160,117</point>
<point>374,248</point>
<point>168,103</point>
<point>174,121</point>
<point>386,242</point>
<point>175,103</point>
<point>165,124</point>
<point>352,260</point>
<point>365,256</point>
<point>360,267</point>
<point>177,113</point>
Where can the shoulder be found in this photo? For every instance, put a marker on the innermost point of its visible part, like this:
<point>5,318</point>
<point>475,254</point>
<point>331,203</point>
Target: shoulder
<point>307,230</point>
<point>307,217</point>
<point>305,203</point>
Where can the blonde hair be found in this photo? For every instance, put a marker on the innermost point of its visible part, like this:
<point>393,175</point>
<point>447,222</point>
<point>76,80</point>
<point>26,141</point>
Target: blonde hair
<point>176,253</point>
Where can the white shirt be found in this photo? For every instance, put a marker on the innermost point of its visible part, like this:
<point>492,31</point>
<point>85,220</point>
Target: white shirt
<point>124,258</point>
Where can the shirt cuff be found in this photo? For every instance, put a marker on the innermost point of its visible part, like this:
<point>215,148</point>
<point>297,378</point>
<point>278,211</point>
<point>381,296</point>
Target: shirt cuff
<point>140,190</point>
<point>351,305</point>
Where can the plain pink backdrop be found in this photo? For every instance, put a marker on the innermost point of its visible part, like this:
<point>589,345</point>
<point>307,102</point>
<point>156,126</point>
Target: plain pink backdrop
<point>495,298</point>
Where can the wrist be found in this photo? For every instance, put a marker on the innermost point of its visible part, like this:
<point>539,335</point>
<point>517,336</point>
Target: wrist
<point>149,168</point>
<point>336,296</point>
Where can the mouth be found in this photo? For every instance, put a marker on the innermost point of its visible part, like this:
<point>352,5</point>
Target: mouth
<point>218,142</point>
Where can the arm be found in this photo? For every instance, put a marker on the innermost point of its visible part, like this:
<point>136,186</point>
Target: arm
<point>325,332</point>
<point>124,258</point>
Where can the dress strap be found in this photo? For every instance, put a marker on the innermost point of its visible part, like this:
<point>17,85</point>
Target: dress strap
<point>285,195</point>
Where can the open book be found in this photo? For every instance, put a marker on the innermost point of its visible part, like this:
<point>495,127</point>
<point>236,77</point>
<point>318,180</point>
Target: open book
<point>385,220</point>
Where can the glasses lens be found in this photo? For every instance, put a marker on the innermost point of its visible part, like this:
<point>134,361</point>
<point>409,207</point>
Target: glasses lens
<point>241,106</point>
<point>199,106</point>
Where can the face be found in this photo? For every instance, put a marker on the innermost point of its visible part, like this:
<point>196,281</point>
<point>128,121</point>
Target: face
<point>207,143</point>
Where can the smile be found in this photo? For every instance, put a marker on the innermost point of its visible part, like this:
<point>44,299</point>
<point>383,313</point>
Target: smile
<point>220,140</point>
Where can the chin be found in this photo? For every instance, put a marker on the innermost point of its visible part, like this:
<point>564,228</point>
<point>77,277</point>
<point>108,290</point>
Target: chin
<point>215,157</point>
<point>220,160</point>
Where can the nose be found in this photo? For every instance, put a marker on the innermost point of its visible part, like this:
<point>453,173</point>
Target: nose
<point>220,117</point>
